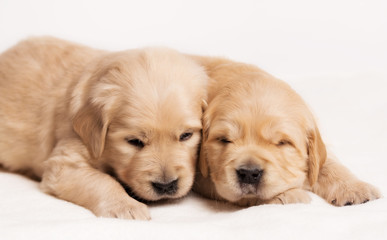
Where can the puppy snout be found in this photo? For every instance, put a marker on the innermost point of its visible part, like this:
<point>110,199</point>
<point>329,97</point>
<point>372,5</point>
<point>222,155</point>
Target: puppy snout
<point>251,175</point>
<point>168,188</point>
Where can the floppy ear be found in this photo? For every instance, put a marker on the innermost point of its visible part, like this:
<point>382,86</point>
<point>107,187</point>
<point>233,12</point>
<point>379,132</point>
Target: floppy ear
<point>204,105</point>
<point>92,128</point>
<point>203,165</point>
<point>203,162</point>
<point>317,155</point>
<point>91,120</point>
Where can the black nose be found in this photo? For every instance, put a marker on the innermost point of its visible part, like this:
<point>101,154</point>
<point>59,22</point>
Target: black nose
<point>249,175</point>
<point>169,188</point>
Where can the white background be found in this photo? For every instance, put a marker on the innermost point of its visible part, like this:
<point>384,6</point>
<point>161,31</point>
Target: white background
<point>283,37</point>
<point>333,52</point>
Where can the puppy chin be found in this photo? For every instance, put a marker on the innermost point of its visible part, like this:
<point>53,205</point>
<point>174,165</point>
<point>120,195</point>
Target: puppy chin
<point>234,191</point>
<point>234,194</point>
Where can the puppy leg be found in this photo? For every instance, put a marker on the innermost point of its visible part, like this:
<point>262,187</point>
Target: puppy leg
<point>69,176</point>
<point>337,185</point>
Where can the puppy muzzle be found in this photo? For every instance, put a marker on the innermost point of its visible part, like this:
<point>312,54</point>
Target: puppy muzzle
<point>249,178</point>
<point>165,188</point>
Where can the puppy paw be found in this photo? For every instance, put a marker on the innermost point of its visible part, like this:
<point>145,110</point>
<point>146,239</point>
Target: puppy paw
<point>291,196</point>
<point>350,193</point>
<point>124,210</point>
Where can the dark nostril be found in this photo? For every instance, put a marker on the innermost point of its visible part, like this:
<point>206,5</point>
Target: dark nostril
<point>169,188</point>
<point>249,175</point>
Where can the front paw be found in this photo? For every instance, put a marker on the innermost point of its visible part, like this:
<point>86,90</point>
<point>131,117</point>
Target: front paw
<point>291,196</point>
<point>354,192</point>
<point>123,209</point>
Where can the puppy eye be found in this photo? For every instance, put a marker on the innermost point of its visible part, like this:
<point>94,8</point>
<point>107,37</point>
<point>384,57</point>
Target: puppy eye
<point>135,142</point>
<point>185,136</point>
<point>224,140</point>
<point>283,143</point>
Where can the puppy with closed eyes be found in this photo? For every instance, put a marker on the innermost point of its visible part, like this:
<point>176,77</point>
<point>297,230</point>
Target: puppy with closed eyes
<point>261,143</point>
<point>83,120</point>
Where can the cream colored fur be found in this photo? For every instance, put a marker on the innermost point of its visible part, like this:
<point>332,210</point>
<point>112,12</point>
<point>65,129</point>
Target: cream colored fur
<point>81,120</point>
<point>254,119</point>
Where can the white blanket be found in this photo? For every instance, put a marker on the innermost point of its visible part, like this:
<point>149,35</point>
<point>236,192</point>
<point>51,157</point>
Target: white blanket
<point>352,113</point>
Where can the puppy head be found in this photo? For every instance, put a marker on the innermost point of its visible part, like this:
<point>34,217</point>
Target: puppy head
<point>259,138</point>
<point>140,116</point>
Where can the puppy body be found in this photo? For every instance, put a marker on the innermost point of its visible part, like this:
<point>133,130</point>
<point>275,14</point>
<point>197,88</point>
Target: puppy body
<point>261,143</point>
<point>34,78</point>
<point>70,114</point>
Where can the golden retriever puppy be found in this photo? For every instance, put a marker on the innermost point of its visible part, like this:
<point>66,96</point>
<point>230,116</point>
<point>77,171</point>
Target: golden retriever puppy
<point>261,143</point>
<point>84,120</point>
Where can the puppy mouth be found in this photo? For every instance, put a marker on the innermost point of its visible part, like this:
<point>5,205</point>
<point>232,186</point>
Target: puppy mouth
<point>161,190</point>
<point>248,189</point>
<point>131,193</point>
<point>127,188</point>
<point>155,190</point>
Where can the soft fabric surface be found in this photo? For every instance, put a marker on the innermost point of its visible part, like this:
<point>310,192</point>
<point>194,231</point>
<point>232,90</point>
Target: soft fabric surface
<point>352,113</point>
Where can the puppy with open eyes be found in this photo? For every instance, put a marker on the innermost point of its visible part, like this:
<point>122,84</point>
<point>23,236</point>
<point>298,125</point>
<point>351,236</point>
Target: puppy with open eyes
<point>261,143</point>
<point>83,120</point>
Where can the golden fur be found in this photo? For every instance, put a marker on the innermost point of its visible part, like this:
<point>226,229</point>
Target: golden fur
<point>256,124</point>
<point>71,114</point>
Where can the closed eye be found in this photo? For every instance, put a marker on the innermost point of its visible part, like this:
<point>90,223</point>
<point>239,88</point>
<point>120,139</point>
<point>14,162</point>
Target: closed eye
<point>135,142</point>
<point>185,136</point>
<point>224,140</point>
<point>284,143</point>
